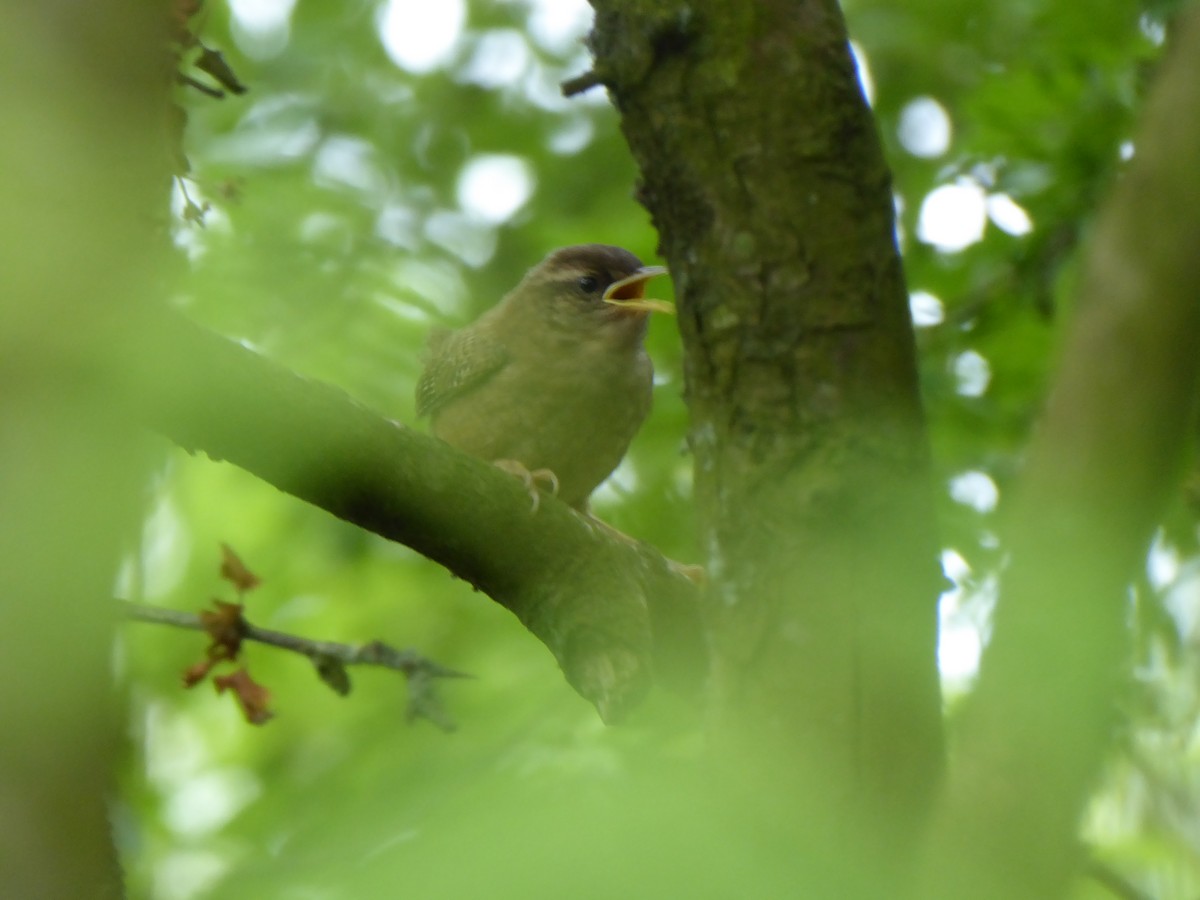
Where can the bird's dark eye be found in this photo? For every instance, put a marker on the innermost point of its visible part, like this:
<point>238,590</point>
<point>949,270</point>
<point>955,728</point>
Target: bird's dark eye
<point>589,283</point>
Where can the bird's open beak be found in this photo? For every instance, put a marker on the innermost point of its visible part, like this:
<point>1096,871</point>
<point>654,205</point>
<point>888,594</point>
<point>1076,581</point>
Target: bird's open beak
<point>630,292</point>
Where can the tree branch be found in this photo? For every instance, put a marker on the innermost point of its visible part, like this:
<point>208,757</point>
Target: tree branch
<point>328,657</point>
<point>614,614</point>
<point>581,83</point>
<point>374,653</point>
<point>1100,470</point>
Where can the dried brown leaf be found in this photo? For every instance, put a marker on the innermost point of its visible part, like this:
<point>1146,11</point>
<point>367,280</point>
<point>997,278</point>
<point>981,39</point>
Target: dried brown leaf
<point>196,673</point>
<point>235,572</point>
<point>252,697</point>
<point>226,627</point>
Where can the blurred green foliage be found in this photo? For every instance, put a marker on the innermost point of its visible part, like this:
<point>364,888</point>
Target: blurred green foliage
<point>342,225</point>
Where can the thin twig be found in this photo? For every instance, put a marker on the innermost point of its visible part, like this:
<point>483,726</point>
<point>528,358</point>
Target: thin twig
<point>329,657</point>
<point>215,93</point>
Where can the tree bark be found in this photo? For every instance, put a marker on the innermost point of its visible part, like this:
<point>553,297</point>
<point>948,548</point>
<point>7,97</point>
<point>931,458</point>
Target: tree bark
<point>764,174</point>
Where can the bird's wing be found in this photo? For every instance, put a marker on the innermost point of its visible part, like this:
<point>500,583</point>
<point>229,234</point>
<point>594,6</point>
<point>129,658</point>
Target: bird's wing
<point>457,362</point>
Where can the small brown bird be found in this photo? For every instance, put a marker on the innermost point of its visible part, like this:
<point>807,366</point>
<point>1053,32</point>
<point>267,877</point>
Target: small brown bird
<point>554,381</point>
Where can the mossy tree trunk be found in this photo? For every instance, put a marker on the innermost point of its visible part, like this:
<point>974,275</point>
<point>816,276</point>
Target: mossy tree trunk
<point>764,173</point>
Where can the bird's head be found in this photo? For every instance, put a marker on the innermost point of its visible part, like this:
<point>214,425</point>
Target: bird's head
<point>592,288</point>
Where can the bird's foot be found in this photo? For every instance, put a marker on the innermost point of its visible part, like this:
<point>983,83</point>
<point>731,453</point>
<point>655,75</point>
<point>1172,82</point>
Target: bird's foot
<point>532,481</point>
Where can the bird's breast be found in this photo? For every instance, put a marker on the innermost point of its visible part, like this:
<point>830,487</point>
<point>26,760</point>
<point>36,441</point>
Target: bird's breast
<point>573,413</point>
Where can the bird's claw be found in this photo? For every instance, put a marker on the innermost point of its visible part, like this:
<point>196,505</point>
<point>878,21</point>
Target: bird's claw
<point>531,480</point>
